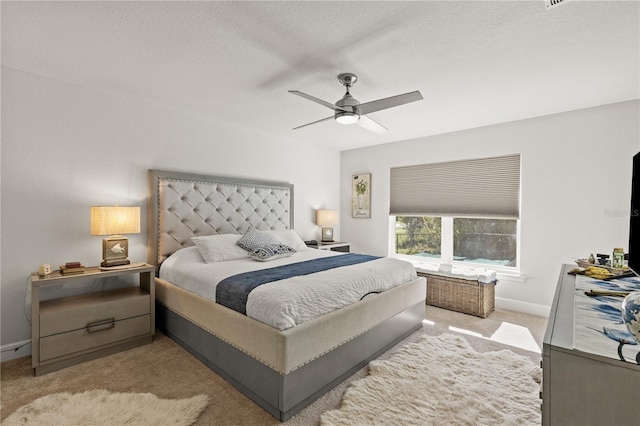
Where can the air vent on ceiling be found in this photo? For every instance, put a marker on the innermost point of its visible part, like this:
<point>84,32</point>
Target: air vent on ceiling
<point>553,3</point>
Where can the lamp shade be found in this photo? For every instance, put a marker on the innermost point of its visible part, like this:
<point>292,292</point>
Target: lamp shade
<point>115,220</point>
<point>326,217</point>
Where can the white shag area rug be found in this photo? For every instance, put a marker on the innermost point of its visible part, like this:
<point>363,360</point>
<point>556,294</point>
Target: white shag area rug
<point>101,407</point>
<point>442,380</point>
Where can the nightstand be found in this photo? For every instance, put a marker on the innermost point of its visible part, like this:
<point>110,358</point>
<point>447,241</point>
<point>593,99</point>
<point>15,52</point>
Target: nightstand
<point>70,330</point>
<point>334,246</point>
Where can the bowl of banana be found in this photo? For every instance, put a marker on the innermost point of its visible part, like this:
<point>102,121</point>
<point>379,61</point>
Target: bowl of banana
<point>598,272</point>
<point>593,271</point>
<point>601,269</point>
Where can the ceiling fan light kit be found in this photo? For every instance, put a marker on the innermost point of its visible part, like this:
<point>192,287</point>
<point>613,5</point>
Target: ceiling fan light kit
<point>347,117</point>
<point>348,110</point>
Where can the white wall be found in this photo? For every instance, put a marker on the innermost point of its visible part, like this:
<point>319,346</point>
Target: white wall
<point>575,189</point>
<point>66,148</point>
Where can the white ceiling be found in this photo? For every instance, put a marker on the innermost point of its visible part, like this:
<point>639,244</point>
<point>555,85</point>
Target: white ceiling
<point>476,63</point>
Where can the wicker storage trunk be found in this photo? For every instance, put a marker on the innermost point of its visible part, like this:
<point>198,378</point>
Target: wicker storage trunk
<point>461,295</point>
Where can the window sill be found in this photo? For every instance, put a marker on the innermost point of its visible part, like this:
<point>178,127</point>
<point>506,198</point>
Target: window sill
<point>431,266</point>
<point>511,276</point>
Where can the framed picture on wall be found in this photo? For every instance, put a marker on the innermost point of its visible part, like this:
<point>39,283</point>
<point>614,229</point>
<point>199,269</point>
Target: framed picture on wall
<point>361,196</point>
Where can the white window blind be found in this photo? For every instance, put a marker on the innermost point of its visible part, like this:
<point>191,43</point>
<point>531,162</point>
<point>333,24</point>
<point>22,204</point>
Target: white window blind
<point>486,187</point>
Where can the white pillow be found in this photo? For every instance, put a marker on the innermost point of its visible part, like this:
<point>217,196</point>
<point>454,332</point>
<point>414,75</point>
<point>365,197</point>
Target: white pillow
<point>289,237</point>
<point>220,247</point>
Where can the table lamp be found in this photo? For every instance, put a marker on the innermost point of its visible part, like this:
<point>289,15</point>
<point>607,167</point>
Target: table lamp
<point>115,221</point>
<point>326,219</point>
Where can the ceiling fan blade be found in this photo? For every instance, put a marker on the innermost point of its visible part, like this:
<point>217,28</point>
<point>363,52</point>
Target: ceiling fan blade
<point>309,124</point>
<point>369,124</point>
<point>317,100</point>
<point>391,102</point>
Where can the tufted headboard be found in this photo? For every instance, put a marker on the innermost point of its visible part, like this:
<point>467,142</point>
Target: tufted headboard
<point>184,205</point>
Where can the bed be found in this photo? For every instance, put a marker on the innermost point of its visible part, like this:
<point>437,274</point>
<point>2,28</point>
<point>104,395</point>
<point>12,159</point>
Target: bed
<point>282,369</point>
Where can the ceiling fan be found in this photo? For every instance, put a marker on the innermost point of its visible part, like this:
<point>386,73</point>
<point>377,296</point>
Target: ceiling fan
<point>349,110</point>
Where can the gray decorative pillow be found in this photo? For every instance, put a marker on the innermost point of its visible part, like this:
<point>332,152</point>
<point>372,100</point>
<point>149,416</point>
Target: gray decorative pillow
<point>288,237</point>
<point>271,252</point>
<point>254,239</point>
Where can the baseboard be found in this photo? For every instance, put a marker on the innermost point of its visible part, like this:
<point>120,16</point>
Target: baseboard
<point>15,350</point>
<point>525,307</point>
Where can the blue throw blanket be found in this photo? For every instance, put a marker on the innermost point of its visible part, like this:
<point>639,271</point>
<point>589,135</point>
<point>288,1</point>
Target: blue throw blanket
<point>233,291</point>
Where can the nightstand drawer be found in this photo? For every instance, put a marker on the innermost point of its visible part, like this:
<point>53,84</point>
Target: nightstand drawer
<point>91,337</point>
<point>75,313</point>
<point>334,246</point>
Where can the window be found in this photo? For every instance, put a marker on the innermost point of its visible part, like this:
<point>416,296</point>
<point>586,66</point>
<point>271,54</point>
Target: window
<point>450,240</point>
<point>464,212</point>
<point>486,241</point>
<point>419,236</point>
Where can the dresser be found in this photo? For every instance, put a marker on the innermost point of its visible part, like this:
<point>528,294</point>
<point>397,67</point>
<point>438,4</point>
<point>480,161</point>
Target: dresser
<point>582,387</point>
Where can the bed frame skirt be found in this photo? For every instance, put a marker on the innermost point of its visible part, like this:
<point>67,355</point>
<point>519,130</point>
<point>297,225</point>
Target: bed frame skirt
<point>285,395</point>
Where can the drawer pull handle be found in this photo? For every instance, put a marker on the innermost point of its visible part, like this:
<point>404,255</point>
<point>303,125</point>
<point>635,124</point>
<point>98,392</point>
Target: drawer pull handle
<point>102,325</point>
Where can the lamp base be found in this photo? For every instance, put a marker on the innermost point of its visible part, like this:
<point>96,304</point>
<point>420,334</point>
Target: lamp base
<point>327,235</point>
<point>115,251</point>
<point>106,264</point>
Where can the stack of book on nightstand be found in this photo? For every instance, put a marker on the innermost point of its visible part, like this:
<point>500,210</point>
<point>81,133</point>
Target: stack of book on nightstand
<point>72,268</point>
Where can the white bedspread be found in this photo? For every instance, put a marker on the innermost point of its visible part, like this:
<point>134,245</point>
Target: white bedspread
<point>286,303</point>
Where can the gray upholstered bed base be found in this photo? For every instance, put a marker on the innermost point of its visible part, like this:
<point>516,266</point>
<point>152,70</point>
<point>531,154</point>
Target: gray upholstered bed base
<point>285,395</point>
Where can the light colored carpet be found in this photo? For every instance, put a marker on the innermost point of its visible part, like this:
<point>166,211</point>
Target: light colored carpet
<point>101,407</point>
<point>441,380</point>
<point>166,370</point>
